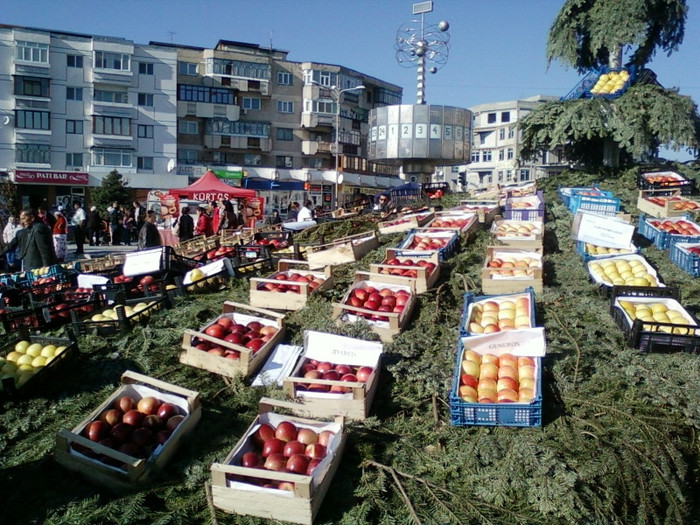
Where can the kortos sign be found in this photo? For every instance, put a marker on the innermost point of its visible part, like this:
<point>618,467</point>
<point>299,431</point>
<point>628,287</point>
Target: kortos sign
<point>207,196</point>
<point>51,177</point>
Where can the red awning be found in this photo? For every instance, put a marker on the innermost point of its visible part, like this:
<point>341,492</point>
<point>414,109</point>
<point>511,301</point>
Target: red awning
<point>210,188</point>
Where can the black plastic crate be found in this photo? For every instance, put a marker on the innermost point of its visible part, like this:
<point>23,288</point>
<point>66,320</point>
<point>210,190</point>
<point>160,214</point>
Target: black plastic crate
<point>684,184</point>
<point>86,324</point>
<point>32,317</point>
<point>42,287</point>
<point>435,190</point>
<point>274,240</point>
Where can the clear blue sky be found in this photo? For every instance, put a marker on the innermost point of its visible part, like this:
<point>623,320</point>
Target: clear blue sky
<point>497,47</point>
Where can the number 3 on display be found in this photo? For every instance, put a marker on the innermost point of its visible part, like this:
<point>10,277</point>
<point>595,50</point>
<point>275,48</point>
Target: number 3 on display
<point>421,131</point>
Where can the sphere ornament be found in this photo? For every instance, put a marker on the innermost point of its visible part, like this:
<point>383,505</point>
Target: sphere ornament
<point>413,44</point>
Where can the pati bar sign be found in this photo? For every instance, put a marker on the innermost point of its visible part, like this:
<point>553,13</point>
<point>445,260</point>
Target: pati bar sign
<point>51,177</point>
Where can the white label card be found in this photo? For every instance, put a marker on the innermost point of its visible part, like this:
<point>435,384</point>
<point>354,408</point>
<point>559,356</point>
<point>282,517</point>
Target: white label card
<point>602,230</point>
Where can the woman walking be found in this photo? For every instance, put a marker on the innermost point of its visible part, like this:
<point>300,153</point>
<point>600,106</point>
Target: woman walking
<point>8,235</point>
<point>60,236</point>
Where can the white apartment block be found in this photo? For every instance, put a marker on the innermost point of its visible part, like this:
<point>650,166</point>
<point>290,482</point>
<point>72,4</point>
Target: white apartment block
<point>495,148</point>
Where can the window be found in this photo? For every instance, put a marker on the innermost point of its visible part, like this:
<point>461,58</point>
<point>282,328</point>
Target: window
<point>111,157</point>
<point>27,119</point>
<point>284,78</point>
<point>502,134</point>
<point>187,68</point>
<point>524,174</point>
<point>491,118</point>
<point>74,127</point>
<point>285,134</point>
<point>111,126</point>
<point>115,97</point>
<point>252,159</point>
<point>509,175</point>
<point>33,154</point>
<point>505,116</point>
<point>475,156</point>
<point>74,93</point>
<point>487,155</point>
<point>145,132</point>
<point>145,68</point>
<point>144,163</point>
<point>285,106</point>
<point>32,52</point>
<point>501,154</point>
<point>239,128</point>
<point>323,106</point>
<point>500,176</point>
<point>511,133</point>
<point>146,99</point>
<point>510,153</point>
<point>215,95</point>
<point>251,103</point>
<point>238,68</point>
<point>188,127</point>
<point>455,169</point>
<point>187,156</point>
<point>74,61</point>
<point>32,87</point>
<point>116,61</point>
<point>284,161</point>
<point>74,160</point>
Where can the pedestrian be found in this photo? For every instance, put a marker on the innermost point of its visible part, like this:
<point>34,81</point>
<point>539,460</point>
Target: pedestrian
<point>276,218</point>
<point>115,223</point>
<point>149,237</point>
<point>203,226</point>
<point>46,217</point>
<point>128,226</point>
<point>60,235</point>
<point>215,214</point>
<point>34,244</point>
<point>94,226</point>
<point>186,225</point>
<point>305,213</point>
<point>138,213</point>
<point>79,222</point>
<point>8,234</point>
<point>292,211</point>
<point>227,217</point>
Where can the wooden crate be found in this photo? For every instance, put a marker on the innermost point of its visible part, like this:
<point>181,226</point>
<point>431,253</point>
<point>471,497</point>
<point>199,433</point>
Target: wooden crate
<point>337,350</point>
<point>249,362</point>
<point>497,280</point>
<point>129,472</point>
<point>411,243</point>
<point>486,210</point>
<point>288,300</point>
<point>514,234</point>
<point>405,222</point>
<point>468,222</point>
<point>665,203</point>
<point>343,250</point>
<point>343,312</point>
<point>298,506</point>
<point>421,283</point>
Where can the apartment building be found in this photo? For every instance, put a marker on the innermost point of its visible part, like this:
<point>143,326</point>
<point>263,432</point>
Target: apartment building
<point>495,148</point>
<point>74,107</point>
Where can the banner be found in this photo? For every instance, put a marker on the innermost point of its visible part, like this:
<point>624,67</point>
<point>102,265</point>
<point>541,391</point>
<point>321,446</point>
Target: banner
<point>226,174</point>
<point>169,207</point>
<point>253,210</point>
<point>51,177</point>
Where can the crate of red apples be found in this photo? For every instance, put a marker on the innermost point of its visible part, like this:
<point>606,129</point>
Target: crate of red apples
<point>282,467</point>
<point>463,222</point>
<point>422,240</point>
<point>132,434</point>
<point>335,375</point>
<point>405,222</point>
<point>528,208</point>
<point>666,231</point>
<point>237,342</point>
<point>664,203</point>
<point>509,269</point>
<point>290,286</point>
<point>385,306</point>
<point>669,180</point>
<point>686,256</point>
<point>420,271</point>
<point>497,379</point>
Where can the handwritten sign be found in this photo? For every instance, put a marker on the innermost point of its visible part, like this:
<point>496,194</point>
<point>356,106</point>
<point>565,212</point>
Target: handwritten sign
<point>527,342</point>
<point>602,230</point>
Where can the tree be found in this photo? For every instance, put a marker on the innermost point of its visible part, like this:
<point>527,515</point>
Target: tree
<point>113,188</point>
<point>591,34</point>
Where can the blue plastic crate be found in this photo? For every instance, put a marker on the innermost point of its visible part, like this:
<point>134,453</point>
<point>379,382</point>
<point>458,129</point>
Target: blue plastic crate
<point>494,414</point>
<point>604,205</point>
<point>528,214</point>
<point>581,250</point>
<point>52,271</point>
<point>443,253</point>
<point>664,240</point>
<point>685,260</point>
<point>566,193</point>
<point>470,298</point>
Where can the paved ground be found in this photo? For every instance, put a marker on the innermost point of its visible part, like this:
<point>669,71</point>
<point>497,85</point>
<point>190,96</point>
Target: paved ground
<point>93,252</point>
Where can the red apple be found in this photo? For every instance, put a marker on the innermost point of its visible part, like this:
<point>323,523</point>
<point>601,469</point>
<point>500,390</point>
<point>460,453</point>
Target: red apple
<point>167,410</point>
<point>142,436</point>
<point>275,461</point>
<point>272,446</point>
<point>251,460</point>
<point>153,422</point>
<point>97,430</point>
<point>124,403</point>
<point>215,330</point>
<point>112,416</point>
<point>325,437</point>
<point>254,326</point>
<point>133,418</point>
<point>174,422</point>
<point>364,373</point>
<point>297,463</point>
<point>293,447</point>
<point>255,344</point>
<point>316,451</point>
<point>148,405</point>
<point>226,322</point>
<point>307,436</point>
<point>263,433</point>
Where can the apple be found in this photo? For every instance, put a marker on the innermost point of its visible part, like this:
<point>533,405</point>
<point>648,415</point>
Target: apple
<point>215,330</point>
<point>112,416</point>
<point>134,418</point>
<point>286,431</point>
<point>293,447</point>
<point>153,422</point>
<point>364,373</point>
<point>251,460</point>
<point>167,410</point>
<point>172,423</point>
<point>275,461</point>
<point>325,437</point>
<point>272,446</point>
<point>148,405</point>
<point>307,436</point>
<point>124,403</point>
<point>315,451</point>
<point>297,463</point>
<point>97,430</point>
<point>142,436</point>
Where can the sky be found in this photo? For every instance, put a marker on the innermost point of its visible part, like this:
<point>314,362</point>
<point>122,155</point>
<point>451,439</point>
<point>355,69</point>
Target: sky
<point>496,48</point>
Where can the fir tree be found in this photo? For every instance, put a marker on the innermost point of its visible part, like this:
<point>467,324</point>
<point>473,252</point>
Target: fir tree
<point>113,188</point>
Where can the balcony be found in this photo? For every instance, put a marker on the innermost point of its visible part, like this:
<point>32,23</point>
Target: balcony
<point>313,147</point>
<point>314,120</point>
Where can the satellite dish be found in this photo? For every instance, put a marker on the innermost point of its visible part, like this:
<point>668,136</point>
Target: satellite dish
<point>340,178</point>
<point>171,165</point>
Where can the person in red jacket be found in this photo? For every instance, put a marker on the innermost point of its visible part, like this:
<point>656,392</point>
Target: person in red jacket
<point>214,212</point>
<point>203,226</point>
<point>60,235</point>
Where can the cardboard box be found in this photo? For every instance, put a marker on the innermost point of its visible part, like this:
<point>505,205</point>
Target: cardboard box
<point>423,280</point>
<point>338,350</point>
<point>231,493</point>
<point>289,300</point>
<point>508,279</point>
<point>121,471</point>
<point>344,250</point>
<point>395,323</point>
<point>249,362</point>
<point>405,222</point>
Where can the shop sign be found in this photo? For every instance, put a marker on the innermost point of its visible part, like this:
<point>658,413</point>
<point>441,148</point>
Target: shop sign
<point>73,178</point>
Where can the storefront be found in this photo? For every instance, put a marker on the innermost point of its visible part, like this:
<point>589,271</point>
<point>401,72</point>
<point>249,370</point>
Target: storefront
<point>278,195</point>
<point>50,188</point>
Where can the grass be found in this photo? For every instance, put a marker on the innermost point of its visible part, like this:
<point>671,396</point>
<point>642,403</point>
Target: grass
<point>618,443</point>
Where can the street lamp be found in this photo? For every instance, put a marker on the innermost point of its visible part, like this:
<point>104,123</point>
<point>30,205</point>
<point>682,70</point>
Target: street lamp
<point>336,94</point>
